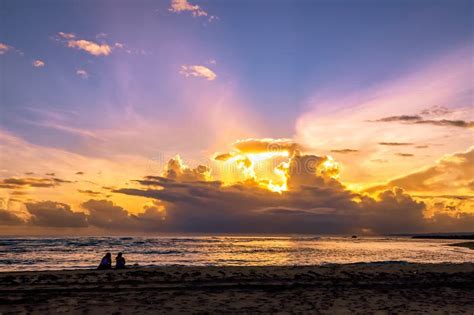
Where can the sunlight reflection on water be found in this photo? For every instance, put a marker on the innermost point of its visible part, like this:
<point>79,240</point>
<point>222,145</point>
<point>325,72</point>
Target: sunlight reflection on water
<point>32,253</point>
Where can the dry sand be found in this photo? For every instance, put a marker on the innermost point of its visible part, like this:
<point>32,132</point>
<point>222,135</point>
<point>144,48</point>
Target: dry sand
<point>384,288</point>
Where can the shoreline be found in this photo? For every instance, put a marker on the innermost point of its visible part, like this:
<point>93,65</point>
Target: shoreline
<point>347,288</point>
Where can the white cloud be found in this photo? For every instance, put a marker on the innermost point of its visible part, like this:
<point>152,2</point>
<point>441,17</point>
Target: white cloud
<point>198,71</point>
<point>82,73</point>
<point>67,35</point>
<point>38,63</point>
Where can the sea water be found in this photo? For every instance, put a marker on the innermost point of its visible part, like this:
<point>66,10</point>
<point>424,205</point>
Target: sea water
<point>53,253</point>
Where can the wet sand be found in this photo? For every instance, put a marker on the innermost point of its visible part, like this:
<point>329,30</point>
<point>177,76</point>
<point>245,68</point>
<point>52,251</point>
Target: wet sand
<point>469,245</point>
<point>382,288</point>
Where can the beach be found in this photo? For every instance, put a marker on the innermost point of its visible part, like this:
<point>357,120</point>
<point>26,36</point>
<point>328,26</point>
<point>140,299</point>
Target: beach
<point>361,288</point>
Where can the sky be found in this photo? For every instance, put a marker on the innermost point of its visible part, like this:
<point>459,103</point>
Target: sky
<point>236,116</point>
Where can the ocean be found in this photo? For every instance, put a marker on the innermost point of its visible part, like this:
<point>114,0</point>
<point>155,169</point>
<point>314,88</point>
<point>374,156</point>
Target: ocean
<point>55,253</point>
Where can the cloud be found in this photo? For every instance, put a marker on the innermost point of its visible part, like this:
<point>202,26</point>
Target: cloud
<point>452,174</point>
<point>419,120</point>
<point>19,183</point>
<point>93,48</point>
<point>38,63</point>
<point>266,145</point>
<point>198,71</point>
<point>55,214</point>
<point>448,123</point>
<point>321,208</point>
<point>407,109</point>
<point>82,73</point>
<point>284,147</point>
<point>176,169</point>
<point>314,202</point>
<point>431,112</point>
<point>395,143</point>
<point>4,48</point>
<point>303,196</point>
<point>399,118</point>
<point>404,154</point>
<point>89,192</point>
<point>436,111</point>
<point>178,6</point>
<point>101,214</point>
<point>67,35</point>
<point>8,218</point>
<point>104,214</point>
<point>345,151</point>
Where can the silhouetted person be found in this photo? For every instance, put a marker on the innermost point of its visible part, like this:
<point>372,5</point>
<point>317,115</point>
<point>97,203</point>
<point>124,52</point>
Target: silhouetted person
<point>119,261</point>
<point>106,262</point>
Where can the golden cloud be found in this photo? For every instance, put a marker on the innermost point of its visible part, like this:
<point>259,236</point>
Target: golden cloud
<point>198,71</point>
<point>88,46</point>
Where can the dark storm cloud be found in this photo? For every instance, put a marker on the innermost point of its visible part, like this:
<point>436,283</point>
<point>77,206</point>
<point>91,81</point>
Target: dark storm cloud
<point>463,222</point>
<point>104,214</point>
<point>316,205</point>
<point>55,214</point>
<point>101,213</point>
<point>313,203</point>
<point>8,218</point>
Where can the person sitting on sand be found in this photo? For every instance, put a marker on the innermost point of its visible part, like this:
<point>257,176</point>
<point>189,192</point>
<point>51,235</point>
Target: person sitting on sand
<point>119,261</point>
<point>106,262</point>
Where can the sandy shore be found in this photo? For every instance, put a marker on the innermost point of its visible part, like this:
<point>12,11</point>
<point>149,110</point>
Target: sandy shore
<point>384,288</point>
